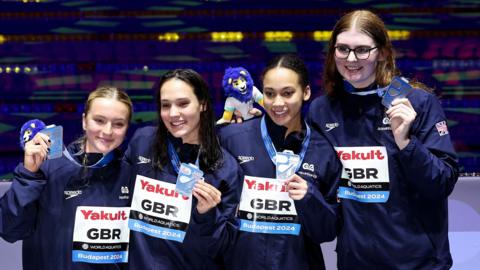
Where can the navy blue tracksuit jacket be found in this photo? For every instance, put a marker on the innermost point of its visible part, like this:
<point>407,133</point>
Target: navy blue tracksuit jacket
<point>410,229</point>
<point>316,211</point>
<point>205,233</point>
<point>39,208</point>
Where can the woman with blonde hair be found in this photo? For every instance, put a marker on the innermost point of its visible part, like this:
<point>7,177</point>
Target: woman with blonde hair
<point>71,211</point>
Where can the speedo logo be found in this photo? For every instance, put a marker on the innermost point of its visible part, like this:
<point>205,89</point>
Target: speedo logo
<point>71,193</point>
<point>245,159</point>
<point>331,126</point>
<point>143,160</point>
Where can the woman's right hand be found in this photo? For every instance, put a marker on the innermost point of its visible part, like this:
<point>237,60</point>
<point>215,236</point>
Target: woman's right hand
<point>36,151</point>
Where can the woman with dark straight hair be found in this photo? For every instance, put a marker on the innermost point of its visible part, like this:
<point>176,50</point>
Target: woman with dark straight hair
<point>184,181</point>
<point>210,152</point>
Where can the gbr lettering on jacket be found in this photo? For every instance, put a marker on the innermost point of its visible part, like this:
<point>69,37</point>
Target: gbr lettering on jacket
<point>364,164</point>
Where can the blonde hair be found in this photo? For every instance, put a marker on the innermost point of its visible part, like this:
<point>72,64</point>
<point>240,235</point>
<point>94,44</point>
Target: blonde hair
<point>111,93</point>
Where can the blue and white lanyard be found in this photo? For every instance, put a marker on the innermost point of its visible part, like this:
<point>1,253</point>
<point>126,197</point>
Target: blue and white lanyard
<point>99,164</point>
<point>272,152</point>
<point>352,90</point>
<point>175,160</point>
<point>379,91</point>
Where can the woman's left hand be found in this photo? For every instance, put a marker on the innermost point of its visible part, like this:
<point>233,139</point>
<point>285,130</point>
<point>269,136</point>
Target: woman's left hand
<point>207,195</point>
<point>401,116</point>
<point>297,187</point>
<point>238,115</point>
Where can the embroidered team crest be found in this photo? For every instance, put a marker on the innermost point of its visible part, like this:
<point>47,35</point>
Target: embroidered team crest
<point>125,193</point>
<point>442,128</point>
<point>386,120</point>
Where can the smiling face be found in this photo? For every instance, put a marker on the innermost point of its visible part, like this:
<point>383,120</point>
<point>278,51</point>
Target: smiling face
<point>105,125</point>
<point>241,85</point>
<point>180,110</point>
<point>360,73</point>
<point>283,97</point>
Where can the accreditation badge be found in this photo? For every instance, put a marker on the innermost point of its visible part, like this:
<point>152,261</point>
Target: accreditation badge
<point>101,235</point>
<point>265,207</point>
<point>366,169</point>
<point>158,210</point>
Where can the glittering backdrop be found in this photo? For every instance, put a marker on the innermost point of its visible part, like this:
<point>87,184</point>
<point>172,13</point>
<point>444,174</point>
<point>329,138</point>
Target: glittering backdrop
<point>53,53</point>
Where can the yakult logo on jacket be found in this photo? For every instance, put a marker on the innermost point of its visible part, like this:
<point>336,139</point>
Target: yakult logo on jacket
<point>266,186</point>
<point>162,190</point>
<point>102,215</point>
<point>356,155</point>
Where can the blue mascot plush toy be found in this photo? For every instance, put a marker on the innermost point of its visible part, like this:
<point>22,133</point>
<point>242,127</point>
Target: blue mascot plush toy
<point>29,130</point>
<point>240,92</point>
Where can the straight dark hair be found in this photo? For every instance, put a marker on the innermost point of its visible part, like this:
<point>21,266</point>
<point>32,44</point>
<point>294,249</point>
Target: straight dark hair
<point>210,151</point>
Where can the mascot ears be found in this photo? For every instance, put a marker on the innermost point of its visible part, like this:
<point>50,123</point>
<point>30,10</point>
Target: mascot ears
<point>29,130</point>
<point>244,73</point>
<point>230,86</point>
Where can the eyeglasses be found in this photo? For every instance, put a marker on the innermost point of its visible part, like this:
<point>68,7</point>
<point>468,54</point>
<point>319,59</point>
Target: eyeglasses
<point>361,53</point>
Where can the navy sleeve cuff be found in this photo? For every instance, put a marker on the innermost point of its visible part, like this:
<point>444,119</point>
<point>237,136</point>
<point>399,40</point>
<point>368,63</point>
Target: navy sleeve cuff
<point>408,150</point>
<point>28,175</point>
<point>301,204</point>
<point>204,218</point>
